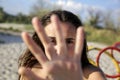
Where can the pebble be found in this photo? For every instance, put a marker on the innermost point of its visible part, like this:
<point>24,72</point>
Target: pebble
<point>12,47</point>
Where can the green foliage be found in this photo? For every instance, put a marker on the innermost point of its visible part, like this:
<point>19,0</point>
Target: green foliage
<point>94,18</point>
<point>2,15</point>
<point>42,7</point>
<point>102,35</point>
<point>29,27</point>
<point>40,13</point>
<point>20,18</point>
<point>10,29</point>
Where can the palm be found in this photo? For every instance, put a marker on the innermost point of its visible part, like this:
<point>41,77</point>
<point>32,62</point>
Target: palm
<point>57,64</point>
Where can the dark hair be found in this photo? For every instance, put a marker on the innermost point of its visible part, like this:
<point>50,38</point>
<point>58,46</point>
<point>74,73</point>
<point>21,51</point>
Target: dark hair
<point>64,16</point>
<point>28,60</point>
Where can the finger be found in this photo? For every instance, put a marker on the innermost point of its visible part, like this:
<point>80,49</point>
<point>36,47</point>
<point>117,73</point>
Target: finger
<point>27,74</point>
<point>62,49</point>
<point>50,52</point>
<point>79,43</point>
<point>34,48</point>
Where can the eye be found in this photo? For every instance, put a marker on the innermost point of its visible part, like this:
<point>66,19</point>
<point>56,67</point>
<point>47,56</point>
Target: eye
<point>53,41</point>
<point>69,41</point>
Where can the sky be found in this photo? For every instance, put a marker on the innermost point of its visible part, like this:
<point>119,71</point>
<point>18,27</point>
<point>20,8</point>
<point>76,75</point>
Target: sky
<point>24,6</point>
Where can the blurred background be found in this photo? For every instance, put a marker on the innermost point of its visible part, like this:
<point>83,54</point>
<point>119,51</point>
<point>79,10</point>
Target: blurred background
<point>101,19</point>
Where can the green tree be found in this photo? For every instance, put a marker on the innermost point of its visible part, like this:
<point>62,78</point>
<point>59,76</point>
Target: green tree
<point>109,21</point>
<point>94,19</point>
<point>118,21</point>
<point>42,7</point>
<point>2,14</point>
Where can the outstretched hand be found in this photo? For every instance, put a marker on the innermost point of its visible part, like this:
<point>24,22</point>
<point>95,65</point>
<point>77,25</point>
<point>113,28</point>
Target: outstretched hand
<point>57,64</point>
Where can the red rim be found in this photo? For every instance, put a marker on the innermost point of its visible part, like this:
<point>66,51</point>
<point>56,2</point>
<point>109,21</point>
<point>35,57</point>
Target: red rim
<point>116,44</point>
<point>98,57</point>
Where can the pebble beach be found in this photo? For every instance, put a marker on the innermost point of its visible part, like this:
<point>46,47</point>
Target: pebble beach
<point>11,47</point>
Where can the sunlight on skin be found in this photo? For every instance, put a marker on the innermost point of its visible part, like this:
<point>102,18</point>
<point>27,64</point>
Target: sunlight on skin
<point>57,66</point>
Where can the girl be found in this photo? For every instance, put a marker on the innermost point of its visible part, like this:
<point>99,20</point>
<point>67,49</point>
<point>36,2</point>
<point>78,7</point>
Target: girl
<point>57,51</point>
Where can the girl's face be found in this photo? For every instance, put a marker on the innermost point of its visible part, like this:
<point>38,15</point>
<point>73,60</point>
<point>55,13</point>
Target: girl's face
<point>69,34</point>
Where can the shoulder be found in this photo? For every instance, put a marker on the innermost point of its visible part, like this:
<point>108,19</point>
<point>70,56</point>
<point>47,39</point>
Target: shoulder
<point>93,73</point>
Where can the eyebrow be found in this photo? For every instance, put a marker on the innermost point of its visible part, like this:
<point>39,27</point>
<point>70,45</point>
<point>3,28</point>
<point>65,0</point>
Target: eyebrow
<point>66,38</point>
<point>51,37</point>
